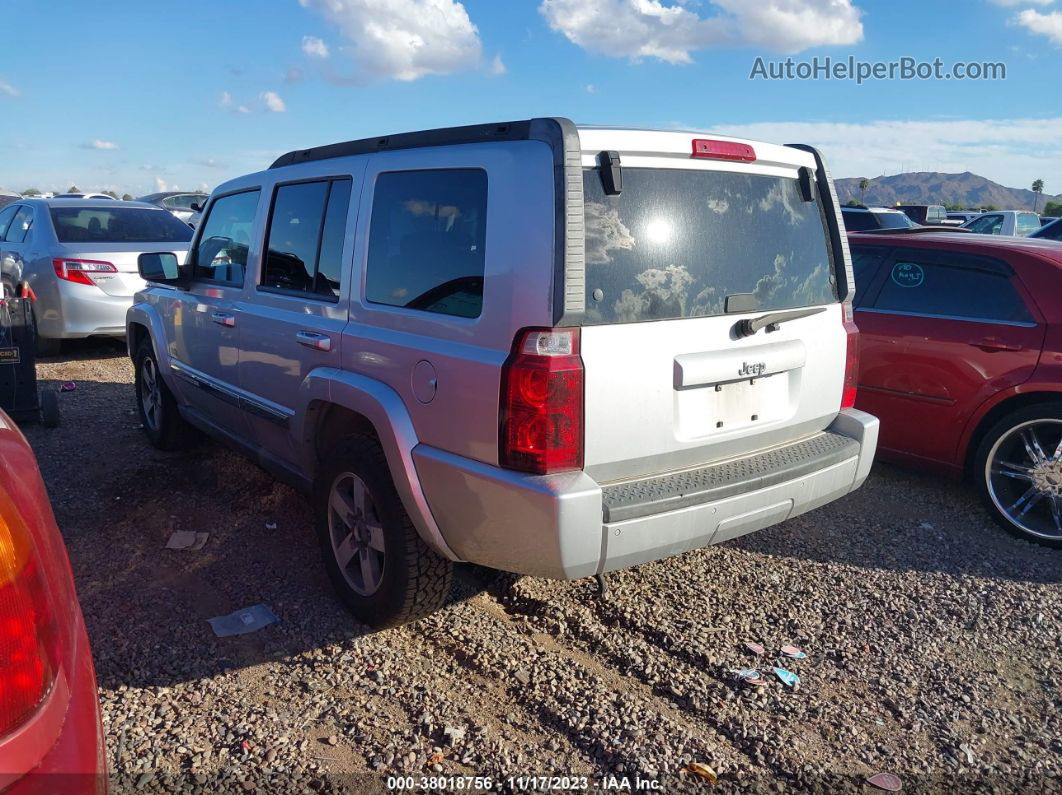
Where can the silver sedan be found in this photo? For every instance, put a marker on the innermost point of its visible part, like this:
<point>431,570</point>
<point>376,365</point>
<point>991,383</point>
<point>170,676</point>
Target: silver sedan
<point>79,256</point>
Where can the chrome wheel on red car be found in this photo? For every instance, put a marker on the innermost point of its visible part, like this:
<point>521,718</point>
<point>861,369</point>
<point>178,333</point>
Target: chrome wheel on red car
<point>1021,466</point>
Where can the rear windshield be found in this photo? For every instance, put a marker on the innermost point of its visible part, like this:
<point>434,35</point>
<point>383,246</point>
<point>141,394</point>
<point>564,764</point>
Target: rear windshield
<point>892,221</point>
<point>118,225</point>
<point>676,242</point>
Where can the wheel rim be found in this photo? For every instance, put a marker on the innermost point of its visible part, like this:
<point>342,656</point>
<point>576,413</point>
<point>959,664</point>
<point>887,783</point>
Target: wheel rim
<point>356,533</point>
<point>150,393</point>
<point>1024,477</point>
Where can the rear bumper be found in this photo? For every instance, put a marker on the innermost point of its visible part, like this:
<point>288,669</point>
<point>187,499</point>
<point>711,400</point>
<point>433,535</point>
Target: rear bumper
<point>68,310</point>
<point>566,525</point>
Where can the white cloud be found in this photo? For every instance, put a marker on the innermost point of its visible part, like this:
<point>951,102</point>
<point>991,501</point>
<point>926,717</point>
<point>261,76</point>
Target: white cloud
<point>98,144</point>
<point>1012,152</point>
<point>1049,25</point>
<point>590,88</point>
<point>209,162</point>
<point>404,39</point>
<point>1012,3</point>
<point>671,32</point>
<point>497,66</point>
<point>314,47</point>
<point>162,186</point>
<point>273,102</point>
<point>10,90</point>
<point>225,101</point>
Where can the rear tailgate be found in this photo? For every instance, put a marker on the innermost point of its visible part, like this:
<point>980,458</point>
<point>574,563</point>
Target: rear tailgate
<point>671,382</point>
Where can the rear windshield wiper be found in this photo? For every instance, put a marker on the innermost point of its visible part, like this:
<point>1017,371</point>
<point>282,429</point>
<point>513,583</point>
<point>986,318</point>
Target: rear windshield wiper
<point>771,321</point>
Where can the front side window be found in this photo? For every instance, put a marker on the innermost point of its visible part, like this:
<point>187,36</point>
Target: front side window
<point>306,232</point>
<point>677,242</point>
<point>951,286</point>
<point>20,225</point>
<point>426,241</point>
<point>221,253</point>
<point>117,225</point>
<point>987,225</point>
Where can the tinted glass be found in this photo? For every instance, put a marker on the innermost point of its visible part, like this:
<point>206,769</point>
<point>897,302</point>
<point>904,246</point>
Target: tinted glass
<point>677,242</point>
<point>291,259</point>
<point>20,225</point>
<point>858,220</point>
<point>426,241</point>
<point>117,225</point>
<point>929,286</point>
<point>221,254</point>
<point>5,219</point>
<point>330,260</point>
<point>1053,231</point>
<point>865,261</point>
<point>892,220</point>
<point>1027,224</point>
<point>986,225</point>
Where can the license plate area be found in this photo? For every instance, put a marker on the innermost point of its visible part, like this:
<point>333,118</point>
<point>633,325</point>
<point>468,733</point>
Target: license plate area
<point>718,409</point>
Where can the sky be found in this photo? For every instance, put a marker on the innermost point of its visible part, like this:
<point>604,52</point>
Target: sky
<point>135,97</point>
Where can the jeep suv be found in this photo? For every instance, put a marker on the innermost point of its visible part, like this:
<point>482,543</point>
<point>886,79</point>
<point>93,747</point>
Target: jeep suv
<point>542,348</point>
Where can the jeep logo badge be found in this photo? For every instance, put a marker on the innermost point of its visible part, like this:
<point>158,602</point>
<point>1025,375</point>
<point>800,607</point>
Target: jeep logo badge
<point>752,370</point>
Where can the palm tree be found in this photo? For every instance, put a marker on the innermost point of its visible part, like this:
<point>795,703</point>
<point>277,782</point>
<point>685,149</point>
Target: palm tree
<point>1038,188</point>
<point>864,184</point>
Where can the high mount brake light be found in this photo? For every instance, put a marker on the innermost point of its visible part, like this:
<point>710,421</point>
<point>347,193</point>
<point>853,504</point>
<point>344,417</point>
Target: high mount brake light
<point>82,271</point>
<point>851,361</point>
<point>706,149</point>
<point>541,412</point>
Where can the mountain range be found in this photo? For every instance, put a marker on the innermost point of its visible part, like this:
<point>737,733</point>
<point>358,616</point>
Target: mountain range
<point>932,187</point>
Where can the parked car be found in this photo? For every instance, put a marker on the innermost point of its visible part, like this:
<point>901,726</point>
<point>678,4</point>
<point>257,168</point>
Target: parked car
<point>1052,231</point>
<point>1010,223</point>
<point>925,214</point>
<point>1047,219</point>
<point>459,373</point>
<point>960,344</point>
<point>7,197</point>
<point>863,219</point>
<point>79,257</point>
<point>84,196</point>
<point>963,217</point>
<point>184,205</point>
<point>51,739</point>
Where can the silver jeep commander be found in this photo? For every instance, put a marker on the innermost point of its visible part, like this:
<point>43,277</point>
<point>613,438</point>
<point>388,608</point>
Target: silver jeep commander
<point>548,349</point>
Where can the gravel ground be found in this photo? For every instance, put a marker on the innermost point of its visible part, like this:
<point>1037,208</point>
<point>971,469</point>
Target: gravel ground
<point>933,640</point>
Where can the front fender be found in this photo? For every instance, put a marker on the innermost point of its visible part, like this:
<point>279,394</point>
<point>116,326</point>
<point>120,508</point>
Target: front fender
<point>143,313</point>
<point>382,407</point>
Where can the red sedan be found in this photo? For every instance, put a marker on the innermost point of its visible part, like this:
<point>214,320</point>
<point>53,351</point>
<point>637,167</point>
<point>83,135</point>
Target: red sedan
<point>51,739</point>
<point>961,359</point>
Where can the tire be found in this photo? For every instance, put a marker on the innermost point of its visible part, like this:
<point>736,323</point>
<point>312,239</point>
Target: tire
<point>162,421</point>
<point>391,576</point>
<point>50,417</point>
<point>1018,472</point>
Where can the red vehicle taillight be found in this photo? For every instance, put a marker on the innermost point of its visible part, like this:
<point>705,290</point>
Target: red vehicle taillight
<point>541,427</point>
<point>83,271</point>
<point>706,149</point>
<point>29,638</point>
<point>851,361</point>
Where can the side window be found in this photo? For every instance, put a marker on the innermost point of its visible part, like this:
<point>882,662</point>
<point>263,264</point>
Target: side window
<point>859,221</point>
<point>945,286</point>
<point>20,225</point>
<point>426,241</point>
<point>307,227</point>
<point>5,218</point>
<point>865,262</point>
<point>221,253</point>
<point>1027,224</point>
<point>988,224</point>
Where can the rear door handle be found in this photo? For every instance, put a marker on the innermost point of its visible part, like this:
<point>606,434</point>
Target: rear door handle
<point>992,345</point>
<point>224,319</point>
<point>311,339</point>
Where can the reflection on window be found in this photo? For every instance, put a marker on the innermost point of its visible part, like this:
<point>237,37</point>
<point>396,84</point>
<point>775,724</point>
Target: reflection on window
<point>221,254</point>
<point>426,241</point>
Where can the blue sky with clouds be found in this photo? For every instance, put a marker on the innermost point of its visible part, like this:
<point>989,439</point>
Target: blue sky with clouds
<point>135,96</point>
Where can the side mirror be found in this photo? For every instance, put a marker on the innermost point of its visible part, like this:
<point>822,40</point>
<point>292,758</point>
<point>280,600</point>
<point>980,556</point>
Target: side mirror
<point>162,267</point>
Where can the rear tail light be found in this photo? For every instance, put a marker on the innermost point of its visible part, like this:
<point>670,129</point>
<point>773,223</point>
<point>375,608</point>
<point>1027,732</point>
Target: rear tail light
<point>29,637</point>
<point>723,150</point>
<point>851,361</point>
<point>83,271</point>
<point>541,417</point>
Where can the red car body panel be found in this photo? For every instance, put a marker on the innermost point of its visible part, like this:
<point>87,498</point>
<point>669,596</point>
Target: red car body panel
<point>933,380</point>
<point>59,748</point>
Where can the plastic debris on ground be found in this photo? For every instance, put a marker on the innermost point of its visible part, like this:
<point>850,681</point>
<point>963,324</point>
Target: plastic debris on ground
<point>68,386</point>
<point>755,648</point>
<point>250,619</point>
<point>186,539</point>
<point>271,525</point>
<point>787,678</point>
<point>886,781</point>
<point>702,771</point>
<point>793,652</point>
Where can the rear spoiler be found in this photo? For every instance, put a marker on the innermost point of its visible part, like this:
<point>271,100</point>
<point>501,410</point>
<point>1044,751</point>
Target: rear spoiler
<point>835,225</point>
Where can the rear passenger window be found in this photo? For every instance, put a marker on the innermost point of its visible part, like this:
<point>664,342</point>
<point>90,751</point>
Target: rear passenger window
<point>221,253</point>
<point>426,241</point>
<point>20,225</point>
<point>865,262</point>
<point>307,227</point>
<point>5,219</point>
<point>931,287</point>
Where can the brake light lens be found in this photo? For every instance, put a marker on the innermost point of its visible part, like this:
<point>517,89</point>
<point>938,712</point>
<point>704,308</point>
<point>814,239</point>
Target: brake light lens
<point>29,638</point>
<point>723,150</point>
<point>851,361</point>
<point>541,416</point>
<point>83,271</point>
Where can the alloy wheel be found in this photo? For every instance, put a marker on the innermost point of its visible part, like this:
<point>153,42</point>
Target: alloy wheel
<point>1023,473</point>
<point>150,393</point>
<point>356,533</point>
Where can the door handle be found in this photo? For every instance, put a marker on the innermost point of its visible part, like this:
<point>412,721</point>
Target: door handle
<point>223,319</point>
<point>311,339</point>
<point>994,345</point>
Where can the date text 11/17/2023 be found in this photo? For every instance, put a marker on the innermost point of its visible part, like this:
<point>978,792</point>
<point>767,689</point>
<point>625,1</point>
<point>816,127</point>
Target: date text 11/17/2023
<point>523,783</point>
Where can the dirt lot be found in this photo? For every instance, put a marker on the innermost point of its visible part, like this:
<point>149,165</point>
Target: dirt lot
<point>934,640</point>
